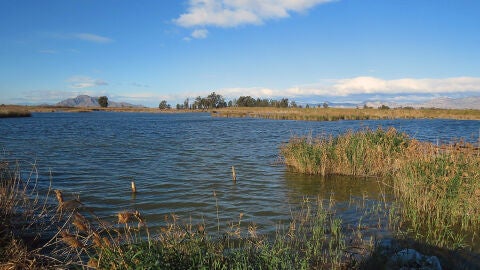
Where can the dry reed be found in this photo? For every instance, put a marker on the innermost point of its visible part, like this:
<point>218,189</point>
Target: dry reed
<point>334,114</point>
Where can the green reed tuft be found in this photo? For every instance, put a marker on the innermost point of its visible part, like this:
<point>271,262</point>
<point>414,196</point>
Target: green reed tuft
<point>437,187</point>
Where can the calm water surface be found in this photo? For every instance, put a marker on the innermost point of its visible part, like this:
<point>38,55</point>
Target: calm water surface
<point>179,160</point>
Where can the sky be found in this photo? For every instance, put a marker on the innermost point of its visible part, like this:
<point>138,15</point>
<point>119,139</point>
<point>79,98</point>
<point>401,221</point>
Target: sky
<point>310,51</point>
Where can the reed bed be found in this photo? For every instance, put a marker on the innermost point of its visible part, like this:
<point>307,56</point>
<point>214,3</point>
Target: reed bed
<point>437,187</point>
<point>335,114</point>
<point>314,239</point>
<point>4,113</point>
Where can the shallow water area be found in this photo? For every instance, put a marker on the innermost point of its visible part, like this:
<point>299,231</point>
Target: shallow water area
<point>181,163</point>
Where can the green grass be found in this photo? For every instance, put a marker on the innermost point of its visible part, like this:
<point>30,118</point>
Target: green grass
<point>363,153</point>
<point>437,188</point>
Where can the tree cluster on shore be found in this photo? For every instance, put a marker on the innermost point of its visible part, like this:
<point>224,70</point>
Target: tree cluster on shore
<point>215,101</point>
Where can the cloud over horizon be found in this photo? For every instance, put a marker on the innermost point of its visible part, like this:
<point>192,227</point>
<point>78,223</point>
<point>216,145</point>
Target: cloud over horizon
<point>357,89</point>
<point>364,85</point>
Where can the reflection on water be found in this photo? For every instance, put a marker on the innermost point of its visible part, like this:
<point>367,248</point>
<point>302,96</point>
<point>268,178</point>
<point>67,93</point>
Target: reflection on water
<point>341,188</point>
<point>354,198</point>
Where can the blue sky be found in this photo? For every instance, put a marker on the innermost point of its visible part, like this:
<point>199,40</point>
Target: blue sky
<point>307,50</point>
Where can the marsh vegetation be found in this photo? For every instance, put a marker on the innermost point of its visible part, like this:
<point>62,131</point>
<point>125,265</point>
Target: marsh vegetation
<point>15,111</point>
<point>437,187</point>
<point>334,114</point>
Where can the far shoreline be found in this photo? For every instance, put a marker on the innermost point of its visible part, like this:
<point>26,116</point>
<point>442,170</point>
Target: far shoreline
<point>302,114</point>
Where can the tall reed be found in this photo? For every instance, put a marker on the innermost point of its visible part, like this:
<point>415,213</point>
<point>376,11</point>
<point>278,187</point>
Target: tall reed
<point>335,114</point>
<point>437,187</point>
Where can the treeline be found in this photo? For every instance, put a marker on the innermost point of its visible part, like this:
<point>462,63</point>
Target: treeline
<point>215,101</point>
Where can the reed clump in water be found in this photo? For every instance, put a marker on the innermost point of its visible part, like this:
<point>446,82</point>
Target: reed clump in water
<point>437,187</point>
<point>362,153</point>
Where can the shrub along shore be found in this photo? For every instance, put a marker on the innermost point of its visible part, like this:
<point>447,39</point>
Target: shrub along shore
<point>437,187</point>
<point>334,114</point>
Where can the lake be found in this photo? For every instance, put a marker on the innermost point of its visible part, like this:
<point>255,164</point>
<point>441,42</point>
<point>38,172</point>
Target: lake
<point>178,161</point>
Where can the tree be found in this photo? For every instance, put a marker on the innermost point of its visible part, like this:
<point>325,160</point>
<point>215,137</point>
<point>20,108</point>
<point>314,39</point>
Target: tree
<point>103,101</point>
<point>215,101</point>
<point>185,104</point>
<point>325,105</point>
<point>164,105</point>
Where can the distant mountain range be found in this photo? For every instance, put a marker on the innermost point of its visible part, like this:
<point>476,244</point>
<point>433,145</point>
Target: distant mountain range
<point>439,103</point>
<point>88,101</point>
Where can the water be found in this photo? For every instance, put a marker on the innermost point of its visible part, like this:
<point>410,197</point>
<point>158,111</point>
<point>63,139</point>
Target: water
<point>179,160</point>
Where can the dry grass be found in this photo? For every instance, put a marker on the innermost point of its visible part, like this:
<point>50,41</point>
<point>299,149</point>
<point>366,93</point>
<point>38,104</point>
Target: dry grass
<point>334,114</point>
<point>42,109</point>
<point>14,111</point>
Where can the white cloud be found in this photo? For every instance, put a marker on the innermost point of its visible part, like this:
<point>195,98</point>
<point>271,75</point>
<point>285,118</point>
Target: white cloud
<point>85,82</point>
<point>365,86</point>
<point>231,13</point>
<point>200,33</point>
<point>91,37</point>
<point>371,85</point>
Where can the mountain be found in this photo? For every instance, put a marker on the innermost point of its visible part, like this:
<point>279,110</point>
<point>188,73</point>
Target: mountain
<point>452,103</point>
<point>439,103</point>
<point>88,101</point>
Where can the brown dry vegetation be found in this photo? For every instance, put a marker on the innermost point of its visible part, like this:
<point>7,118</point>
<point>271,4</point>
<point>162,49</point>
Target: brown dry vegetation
<point>14,111</point>
<point>32,109</point>
<point>333,114</point>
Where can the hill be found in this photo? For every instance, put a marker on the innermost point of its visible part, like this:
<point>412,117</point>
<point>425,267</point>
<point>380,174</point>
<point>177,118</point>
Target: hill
<point>88,101</point>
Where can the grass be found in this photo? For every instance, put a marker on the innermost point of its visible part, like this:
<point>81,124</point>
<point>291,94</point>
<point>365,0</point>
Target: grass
<point>312,240</point>
<point>334,114</point>
<point>437,187</point>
